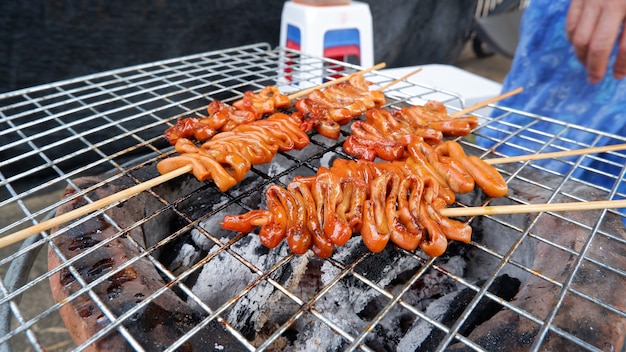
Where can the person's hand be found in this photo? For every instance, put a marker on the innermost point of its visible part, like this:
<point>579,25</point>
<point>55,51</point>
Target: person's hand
<point>593,27</point>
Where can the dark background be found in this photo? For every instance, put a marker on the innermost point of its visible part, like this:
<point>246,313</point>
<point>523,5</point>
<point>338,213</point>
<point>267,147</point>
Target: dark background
<point>43,41</point>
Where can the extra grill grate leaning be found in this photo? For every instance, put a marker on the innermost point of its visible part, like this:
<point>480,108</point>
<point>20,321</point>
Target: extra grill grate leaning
<point>540,281</point>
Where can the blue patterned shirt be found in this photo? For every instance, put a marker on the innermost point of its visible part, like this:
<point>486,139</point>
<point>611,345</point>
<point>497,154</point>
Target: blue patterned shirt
<point>555,85</point>
<point>555,82</point>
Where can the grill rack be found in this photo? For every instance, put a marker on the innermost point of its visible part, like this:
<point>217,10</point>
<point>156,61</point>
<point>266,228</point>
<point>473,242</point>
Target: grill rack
<point>54,133</point>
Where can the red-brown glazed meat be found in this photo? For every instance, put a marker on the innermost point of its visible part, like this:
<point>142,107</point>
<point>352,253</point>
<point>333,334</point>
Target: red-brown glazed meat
<point>228,156</point>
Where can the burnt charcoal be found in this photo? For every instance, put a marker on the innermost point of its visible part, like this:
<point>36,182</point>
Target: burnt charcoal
<point>381,343</point>
<point>291,335</point>
<point>501,339</point>
<point>154,317</point>
<point>454,249</point>
<point>263,305</point>
<point>372,266</point>
<point>200,203</point>
<point>170,254</point>
<point>503,286</point>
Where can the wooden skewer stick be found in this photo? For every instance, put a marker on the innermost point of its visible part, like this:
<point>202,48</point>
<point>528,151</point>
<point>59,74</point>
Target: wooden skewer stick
<point>304,92</point>
<point>553,155</point>
<point>484,103</point>
<point>86,209</point>
<point>397,80</point>
<point>533,208</point>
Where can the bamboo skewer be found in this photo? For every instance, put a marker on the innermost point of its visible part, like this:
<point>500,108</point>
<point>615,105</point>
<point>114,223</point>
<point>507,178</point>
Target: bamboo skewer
<point>484,103</point>
<point>86,209</point>
<point>397,80</point>
<point>304,92</point>
<point>553,155</point>
<point>533,208</point>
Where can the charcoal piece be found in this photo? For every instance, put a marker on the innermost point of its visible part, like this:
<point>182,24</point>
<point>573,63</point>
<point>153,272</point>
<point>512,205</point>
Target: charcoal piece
<point>503,286</point>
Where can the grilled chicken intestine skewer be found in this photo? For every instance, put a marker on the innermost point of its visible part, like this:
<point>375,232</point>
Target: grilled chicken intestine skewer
<point>386,134</point>
<point>228,156</point>
<point>246,140</point>
<point>223,118</point>
<point>266,101</point>
<point>320,109</point>
<point>397,201</point>
<point>326,110</point>
<point>307,214</point>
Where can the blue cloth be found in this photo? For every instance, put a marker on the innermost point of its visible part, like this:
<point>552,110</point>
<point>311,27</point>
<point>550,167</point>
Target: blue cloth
<point>555,85</point>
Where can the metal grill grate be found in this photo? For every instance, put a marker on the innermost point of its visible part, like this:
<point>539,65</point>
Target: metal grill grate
<point>525,282</point>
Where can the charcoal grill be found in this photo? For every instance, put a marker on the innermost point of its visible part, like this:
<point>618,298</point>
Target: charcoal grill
<point>525,282</point>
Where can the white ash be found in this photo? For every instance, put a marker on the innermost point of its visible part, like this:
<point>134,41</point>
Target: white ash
<point>212,225</point>
<point>327,159</point>
<point>186,257</point>
<point>343,303</point>
<point>225,276</point>
<point>200,240</point>
<point>264,304</point>
<point>275,168</point>
<point>420,329</point>
<point>190,253</point>
<point>218,281</point>
<point>340,305</point>
<point>436,283</point>
<point>435,292</point>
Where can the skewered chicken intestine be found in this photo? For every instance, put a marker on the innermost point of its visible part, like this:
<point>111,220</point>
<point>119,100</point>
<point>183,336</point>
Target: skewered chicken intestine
<point>385,134</point>
<point>448,164</point>
<point>221,117</point>
<point>266,101</point>
<point>382,201</point>
<point>434,114</point>
<point>326,110</point>
<point>456,171</point>
<point>228,156</point>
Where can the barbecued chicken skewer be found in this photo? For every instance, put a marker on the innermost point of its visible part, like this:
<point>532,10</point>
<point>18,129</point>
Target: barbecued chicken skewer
<point>386,134</point>
<point>223,118</point>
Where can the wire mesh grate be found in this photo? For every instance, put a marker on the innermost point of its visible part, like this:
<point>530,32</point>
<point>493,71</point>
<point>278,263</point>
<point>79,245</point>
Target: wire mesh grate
<point>525,282</point>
